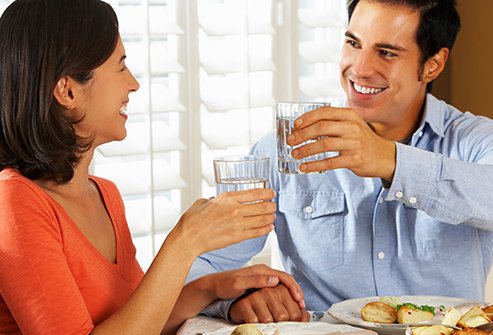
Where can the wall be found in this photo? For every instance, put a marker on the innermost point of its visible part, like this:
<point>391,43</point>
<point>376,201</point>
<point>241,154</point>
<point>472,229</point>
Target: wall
<point>468,80</point>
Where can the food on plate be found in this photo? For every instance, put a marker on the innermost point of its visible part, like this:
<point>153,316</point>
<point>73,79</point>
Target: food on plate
<point>391,310</point>
<point>488,310</point>
<point>411,315</point>
<point>378,312</point>
<point>246,329</point>
<point>452,316</point>
<point>473,318</point>
<point>433,330</point>
<point>470,331</point>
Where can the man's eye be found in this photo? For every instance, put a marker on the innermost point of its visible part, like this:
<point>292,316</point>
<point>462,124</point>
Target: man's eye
<point>352,43</point>
<point>387,53</point>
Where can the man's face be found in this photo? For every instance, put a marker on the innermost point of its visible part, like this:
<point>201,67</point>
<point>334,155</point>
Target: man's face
<point>380,66</point>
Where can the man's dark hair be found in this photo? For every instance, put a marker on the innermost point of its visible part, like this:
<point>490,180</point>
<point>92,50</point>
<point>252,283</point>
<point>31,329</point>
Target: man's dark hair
<point>438,27</point>
<point>41,42</point>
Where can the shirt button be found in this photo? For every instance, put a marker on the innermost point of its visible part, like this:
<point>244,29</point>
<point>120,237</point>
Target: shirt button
<point>420,133</point>
<point>412,200</point>
<point>399,194</point>
<point>381,255</point>
<point>380,200</point>
<point>308,209</point>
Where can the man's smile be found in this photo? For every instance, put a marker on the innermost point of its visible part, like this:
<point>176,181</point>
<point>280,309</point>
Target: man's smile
<point>366,89</point>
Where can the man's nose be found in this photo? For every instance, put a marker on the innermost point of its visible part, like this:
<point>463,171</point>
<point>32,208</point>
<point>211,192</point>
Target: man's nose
<point>364,64</point>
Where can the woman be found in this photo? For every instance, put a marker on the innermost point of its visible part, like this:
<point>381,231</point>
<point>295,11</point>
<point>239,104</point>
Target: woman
<point>67,262</point>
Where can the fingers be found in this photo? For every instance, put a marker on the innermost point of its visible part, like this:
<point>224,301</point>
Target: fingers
<point>258,208</point>
<point>305,316</point>
<point>256,232</point>
<point>324,113</point>
<point>294,289</point>
<point>249,196</point>
<point>332,163</point>
<point>242,312</point>
<point>326,129</point>
<point>283,278</point>
<point>266,305</point>
<point>324,145</point>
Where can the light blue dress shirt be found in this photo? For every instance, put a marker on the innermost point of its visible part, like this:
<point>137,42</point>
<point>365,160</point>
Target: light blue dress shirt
<point>342,236</point>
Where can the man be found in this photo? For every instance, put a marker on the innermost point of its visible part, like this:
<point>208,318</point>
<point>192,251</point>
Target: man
<point>405,207</point>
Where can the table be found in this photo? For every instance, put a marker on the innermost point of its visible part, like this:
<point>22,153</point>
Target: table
<point>200,324</point>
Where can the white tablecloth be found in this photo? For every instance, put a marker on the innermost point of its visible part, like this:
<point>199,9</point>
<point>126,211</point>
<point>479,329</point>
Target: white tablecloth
<point>201,324</point>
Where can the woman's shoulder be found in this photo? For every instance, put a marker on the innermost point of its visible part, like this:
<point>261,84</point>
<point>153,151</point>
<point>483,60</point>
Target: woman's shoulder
<point>12,181</point>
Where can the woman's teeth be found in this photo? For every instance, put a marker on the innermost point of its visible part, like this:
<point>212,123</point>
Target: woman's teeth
<point>366,90</point>
<point>123,110</point>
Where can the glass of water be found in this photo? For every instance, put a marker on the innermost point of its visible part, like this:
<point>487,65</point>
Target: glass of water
<point>286,114</point>
<point>238,173</point>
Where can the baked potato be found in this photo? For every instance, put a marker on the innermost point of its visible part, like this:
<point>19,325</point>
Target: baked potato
<point>378,312</point>
<point>411,315</point>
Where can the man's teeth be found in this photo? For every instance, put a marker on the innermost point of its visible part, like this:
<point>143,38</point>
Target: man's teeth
<point>123,110</point>
<point>366,90</point>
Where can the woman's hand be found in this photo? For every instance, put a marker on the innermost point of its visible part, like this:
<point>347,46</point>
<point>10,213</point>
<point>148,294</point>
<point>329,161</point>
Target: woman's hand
<point>227,219</point>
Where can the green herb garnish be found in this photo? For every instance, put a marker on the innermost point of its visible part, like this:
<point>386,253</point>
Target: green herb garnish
<point>424,308</point>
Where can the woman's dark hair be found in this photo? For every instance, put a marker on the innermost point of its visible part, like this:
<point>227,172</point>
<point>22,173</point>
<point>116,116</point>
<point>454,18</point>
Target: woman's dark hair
<point>41,42</point>
<point>438,27</point>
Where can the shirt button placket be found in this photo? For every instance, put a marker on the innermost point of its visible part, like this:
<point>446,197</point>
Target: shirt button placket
<point>381,256</point>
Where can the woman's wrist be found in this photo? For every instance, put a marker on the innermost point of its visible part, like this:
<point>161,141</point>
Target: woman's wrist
<point>206,285</point>
<point>186,246</point>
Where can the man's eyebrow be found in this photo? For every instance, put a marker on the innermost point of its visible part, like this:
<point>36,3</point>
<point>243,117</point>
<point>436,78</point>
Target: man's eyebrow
<point>378,45</point>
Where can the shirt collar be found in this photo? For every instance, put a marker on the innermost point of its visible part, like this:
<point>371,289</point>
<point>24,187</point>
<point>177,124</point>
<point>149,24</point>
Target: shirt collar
<point>433,116</point>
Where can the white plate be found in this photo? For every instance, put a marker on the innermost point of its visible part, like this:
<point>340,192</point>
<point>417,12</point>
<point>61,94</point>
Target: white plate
<point>298,328</point>
<point>349,311</point>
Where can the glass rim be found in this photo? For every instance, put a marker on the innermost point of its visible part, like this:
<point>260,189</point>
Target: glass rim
<point>241,158</point>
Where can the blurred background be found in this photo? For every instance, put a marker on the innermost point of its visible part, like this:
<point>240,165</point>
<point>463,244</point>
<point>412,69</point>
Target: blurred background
<point>210,72</point>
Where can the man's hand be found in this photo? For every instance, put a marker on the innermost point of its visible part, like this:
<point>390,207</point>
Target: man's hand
<point>342,130</point>
<point>272,304</point>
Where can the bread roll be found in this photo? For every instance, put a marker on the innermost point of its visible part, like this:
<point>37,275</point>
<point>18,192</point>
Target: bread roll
<point>246,329</point>
<point>378,312</point>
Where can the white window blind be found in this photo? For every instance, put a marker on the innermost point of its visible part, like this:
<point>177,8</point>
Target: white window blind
<point>210,73</point>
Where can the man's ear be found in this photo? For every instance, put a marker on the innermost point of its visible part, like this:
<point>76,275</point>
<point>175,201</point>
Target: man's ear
<point>63,92</point>
<point>435,65</point>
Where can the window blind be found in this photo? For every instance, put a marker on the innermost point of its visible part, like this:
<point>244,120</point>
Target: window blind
<point>210,73</point>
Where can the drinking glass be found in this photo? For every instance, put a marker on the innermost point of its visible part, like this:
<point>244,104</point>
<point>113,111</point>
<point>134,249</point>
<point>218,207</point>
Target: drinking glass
<point>238,173</point>
<point>286,114</point>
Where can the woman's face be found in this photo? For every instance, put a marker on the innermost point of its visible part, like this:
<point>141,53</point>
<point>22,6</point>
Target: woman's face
<point>103,101</point>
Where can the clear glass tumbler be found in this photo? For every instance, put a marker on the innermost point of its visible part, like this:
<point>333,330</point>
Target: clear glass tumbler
<point>286,114</point>
<point>238,173</point>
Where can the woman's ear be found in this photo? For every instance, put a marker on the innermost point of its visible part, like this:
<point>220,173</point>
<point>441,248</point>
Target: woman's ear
<point>63,93</point>
<point>435,65</point>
